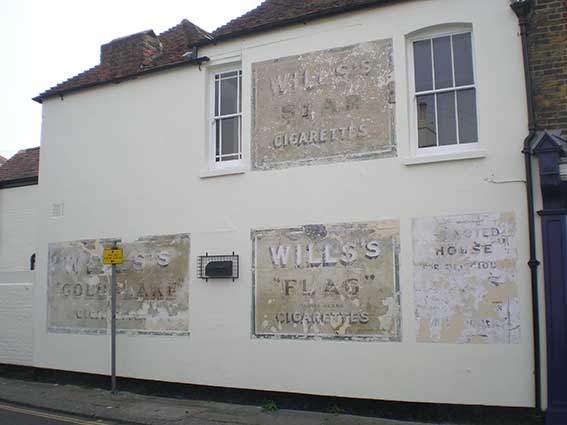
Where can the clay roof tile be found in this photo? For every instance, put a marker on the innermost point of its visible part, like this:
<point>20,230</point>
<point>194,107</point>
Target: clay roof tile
<point>24,165</point>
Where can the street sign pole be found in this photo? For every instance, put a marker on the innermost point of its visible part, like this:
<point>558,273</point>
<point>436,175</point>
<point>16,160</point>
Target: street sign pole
<point>113,327</point>
<point>113,257</point>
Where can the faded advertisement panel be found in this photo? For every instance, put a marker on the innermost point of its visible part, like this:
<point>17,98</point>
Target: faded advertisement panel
<point>327,281</point>
<point>152,284</point>
<point>331,105</point>
<point>465,279</point>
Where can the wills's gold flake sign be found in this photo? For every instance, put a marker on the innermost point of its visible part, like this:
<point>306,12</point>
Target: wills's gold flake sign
<point>331,105</point>
<point>329,281</point>
<point>152,285</point>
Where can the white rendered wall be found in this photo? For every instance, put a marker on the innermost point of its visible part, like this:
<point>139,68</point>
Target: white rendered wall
<point>133,156</point>
<point>18,227</point>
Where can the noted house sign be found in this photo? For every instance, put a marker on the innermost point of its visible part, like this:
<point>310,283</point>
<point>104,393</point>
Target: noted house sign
<point>465,279</point>
<point>331,105</point>
<point>336,281</point>
<point>152,280</point>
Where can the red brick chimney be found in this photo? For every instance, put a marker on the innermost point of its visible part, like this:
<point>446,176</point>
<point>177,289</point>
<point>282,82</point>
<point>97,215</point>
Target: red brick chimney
<point>128,55</point>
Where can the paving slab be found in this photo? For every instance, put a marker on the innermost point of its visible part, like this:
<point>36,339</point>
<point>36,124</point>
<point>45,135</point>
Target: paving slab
<point>150,410</point>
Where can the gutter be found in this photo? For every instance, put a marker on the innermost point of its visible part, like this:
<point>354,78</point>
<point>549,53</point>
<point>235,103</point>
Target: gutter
<point>522,8</point>
<point>117,80</point>
<point>24,181</point>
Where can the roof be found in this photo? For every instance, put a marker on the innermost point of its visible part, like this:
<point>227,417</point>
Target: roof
<point>2,160</point>
<point>22,169</point>
<point>144,52</point>
<point>133,55</point>
<point>278,13</point>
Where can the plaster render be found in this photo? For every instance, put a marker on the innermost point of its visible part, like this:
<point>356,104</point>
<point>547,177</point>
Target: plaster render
<point>465,279</point>
<point>18,227</point>
<point>151,135</point>
<point>152,286</point>
<point>330,105</point>
<point>335,281</point>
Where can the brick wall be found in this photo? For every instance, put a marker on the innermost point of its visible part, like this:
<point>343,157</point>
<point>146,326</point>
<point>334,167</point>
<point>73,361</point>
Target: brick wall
<point>548,56</point>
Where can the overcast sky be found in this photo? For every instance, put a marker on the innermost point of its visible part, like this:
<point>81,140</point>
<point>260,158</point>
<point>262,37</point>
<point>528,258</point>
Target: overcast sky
<point>47,41</point>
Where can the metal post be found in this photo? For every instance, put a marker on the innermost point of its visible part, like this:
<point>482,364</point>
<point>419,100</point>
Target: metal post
<point>113,326</point>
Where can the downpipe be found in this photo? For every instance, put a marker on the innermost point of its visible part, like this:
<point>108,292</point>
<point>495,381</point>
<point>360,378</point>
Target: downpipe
<point>522,9</point>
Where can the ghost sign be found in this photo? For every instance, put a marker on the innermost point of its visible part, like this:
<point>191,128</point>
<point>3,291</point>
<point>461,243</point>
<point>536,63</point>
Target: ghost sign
<point>335,281</point>
<point>331,105</point>
<point>465,279</point>
<point>152,286</point>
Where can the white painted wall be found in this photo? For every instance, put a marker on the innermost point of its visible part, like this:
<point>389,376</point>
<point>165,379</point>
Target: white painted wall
<point>18,227</point>
<point>133,156</point>
<point>16,318</point>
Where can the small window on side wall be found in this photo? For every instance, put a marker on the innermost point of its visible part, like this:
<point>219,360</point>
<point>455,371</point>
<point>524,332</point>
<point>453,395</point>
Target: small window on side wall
<point>226,129</point>
<point>444,91</point>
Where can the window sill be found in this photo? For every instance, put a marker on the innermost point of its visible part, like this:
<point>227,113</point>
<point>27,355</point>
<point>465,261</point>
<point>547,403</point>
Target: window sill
<point>444,157</point>
<point>205,174</point>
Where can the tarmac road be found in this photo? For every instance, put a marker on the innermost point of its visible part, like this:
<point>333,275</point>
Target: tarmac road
<point>11,414</point>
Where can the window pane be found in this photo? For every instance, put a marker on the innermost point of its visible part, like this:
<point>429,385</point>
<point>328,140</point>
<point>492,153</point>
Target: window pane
<point>230,136</point>
<point>240,91</point>
<point>218,124</point>
<point>426,132</point>
<point>228,96</point>
<point>442,60</point>
<point>229,74</point>
<point>466,102</point>
<point>462,50</point>
<point>216,100</point>
<point>423,66</point>
<point>447,125</point>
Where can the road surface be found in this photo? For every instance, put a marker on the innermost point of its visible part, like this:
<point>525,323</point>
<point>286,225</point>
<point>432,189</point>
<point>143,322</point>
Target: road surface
<point>11,414</point>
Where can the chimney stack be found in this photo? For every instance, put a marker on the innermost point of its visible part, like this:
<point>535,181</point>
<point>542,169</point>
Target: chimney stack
<point>130,54</point>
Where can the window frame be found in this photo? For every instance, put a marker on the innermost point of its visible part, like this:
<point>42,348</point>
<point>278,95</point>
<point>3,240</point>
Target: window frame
<point>449,150</point>
<point>212,118</point>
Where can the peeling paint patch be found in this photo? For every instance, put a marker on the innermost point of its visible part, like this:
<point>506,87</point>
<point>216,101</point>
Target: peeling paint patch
<point>336,281</point>
<point>325,106</point>
<point>152,286</point>
<point>465,279</point>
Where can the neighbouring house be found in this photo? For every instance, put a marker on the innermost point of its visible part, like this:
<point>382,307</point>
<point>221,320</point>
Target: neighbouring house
<point>18,245</point>
<point>323,197</point>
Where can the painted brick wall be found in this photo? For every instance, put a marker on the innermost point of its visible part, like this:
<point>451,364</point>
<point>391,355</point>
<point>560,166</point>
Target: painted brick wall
<point>548,55</point>
<point>18,228</point>
<point>16,329</point>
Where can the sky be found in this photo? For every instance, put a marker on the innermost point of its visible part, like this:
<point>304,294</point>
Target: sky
<point>49,41</point>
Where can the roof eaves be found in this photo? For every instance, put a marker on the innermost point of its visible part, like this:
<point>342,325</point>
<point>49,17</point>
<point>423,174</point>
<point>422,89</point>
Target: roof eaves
<point>40,98</point>
<point>292,21</point>
<point>23,181</point>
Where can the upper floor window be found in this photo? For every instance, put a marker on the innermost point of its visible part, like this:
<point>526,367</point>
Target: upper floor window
<point>445,91</point>
<point>227,118</point>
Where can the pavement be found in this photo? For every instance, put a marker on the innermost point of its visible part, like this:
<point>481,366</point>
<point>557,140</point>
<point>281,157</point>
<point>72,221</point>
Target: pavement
<point>138,409</point>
